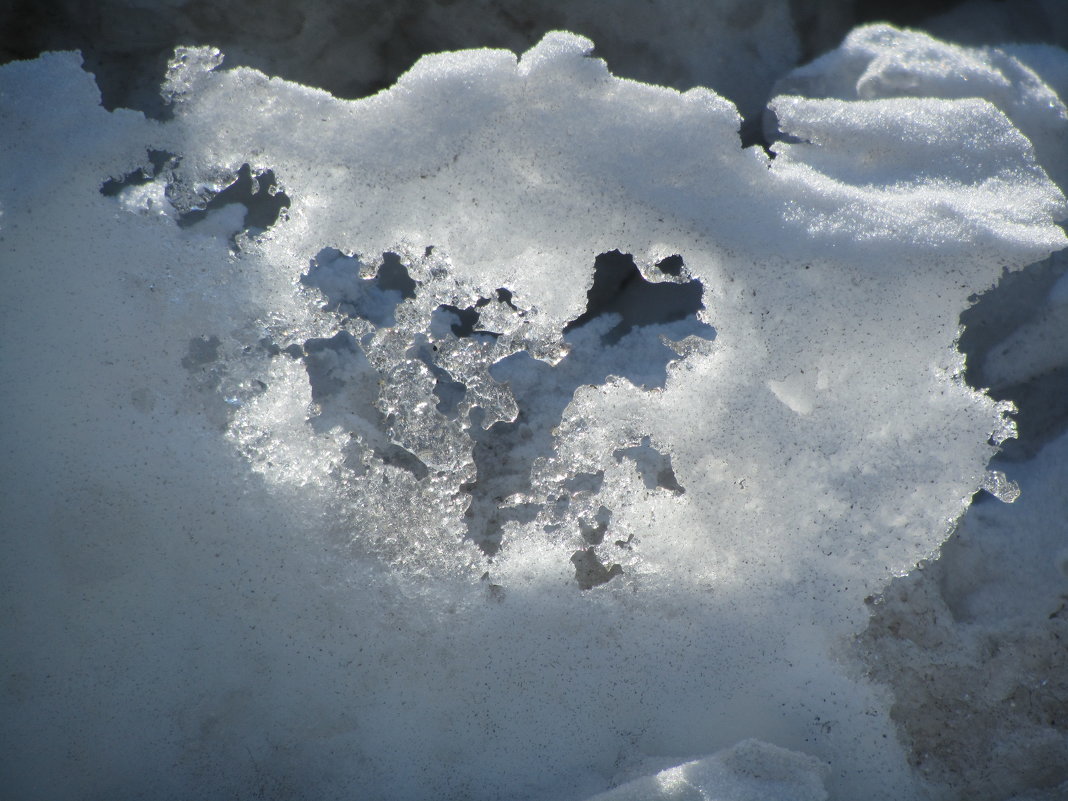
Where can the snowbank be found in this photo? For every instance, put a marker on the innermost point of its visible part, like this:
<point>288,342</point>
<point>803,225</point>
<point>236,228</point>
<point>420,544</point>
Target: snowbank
<point>545,434</point>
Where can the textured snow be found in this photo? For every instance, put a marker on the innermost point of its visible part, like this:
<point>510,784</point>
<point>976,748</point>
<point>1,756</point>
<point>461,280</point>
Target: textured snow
<point>455,481</point>
<point>971,644</point>
<point>879,62</point>
<point>748,771</point>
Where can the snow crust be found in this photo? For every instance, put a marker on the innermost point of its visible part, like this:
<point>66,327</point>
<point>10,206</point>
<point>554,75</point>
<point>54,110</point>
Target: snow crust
<point>971,644</point>
<point>748,771</point>
<point>879,62</point>
<point>395,499</point>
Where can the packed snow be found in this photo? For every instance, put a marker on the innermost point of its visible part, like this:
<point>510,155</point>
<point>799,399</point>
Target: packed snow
<point>519,432</point>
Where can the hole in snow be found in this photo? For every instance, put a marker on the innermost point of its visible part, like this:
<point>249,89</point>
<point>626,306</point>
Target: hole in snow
<point>202,351</point>
<point>620,288</point>
<point>504,455</point>
<point>259,194</point>
<point>322,360</point>
<point>672,265</point>
<point>593,531</point>
<point>590,571</point>
<point>621,303</point>
<point>158,160</point>
<point>342,279</point>
<point>461,322</point>
<point>653,466</point>
<point>393,277</point>
<point>505,297</point>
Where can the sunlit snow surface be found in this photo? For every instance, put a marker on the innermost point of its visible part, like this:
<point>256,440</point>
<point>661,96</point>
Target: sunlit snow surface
<point>434,489</point>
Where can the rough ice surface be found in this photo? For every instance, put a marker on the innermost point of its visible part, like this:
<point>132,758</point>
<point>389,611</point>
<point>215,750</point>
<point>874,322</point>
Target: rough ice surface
<point>748,771</point>
<point>546,441</point>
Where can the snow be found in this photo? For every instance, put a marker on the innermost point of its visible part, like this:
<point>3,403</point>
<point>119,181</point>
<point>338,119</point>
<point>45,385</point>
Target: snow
<point>549,442</point>
<point>878,62</point>
<point>748,771</point>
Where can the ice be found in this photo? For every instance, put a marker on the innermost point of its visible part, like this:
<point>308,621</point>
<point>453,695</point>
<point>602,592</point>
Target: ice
<point>548,435</point>
<point>749,771</point>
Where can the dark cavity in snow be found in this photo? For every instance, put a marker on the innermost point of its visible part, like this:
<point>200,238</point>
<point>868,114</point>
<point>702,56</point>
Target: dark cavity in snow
<point>321,358</point>
<point>996,313</point>
<point>393,277</point>
<point>621,304</point>
<point>339,276</point>
<point>672,265</point>
<point>653,466</point>
<point>590,571</point>
<point>259,194</point>
<point>461,322</point>
<point>593,531</point>
<point>620,288</point>
<point>202,351</point>
<point>158,160</point>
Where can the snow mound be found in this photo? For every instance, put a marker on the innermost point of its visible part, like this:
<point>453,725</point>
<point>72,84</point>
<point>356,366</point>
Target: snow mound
<point>541,429</point>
